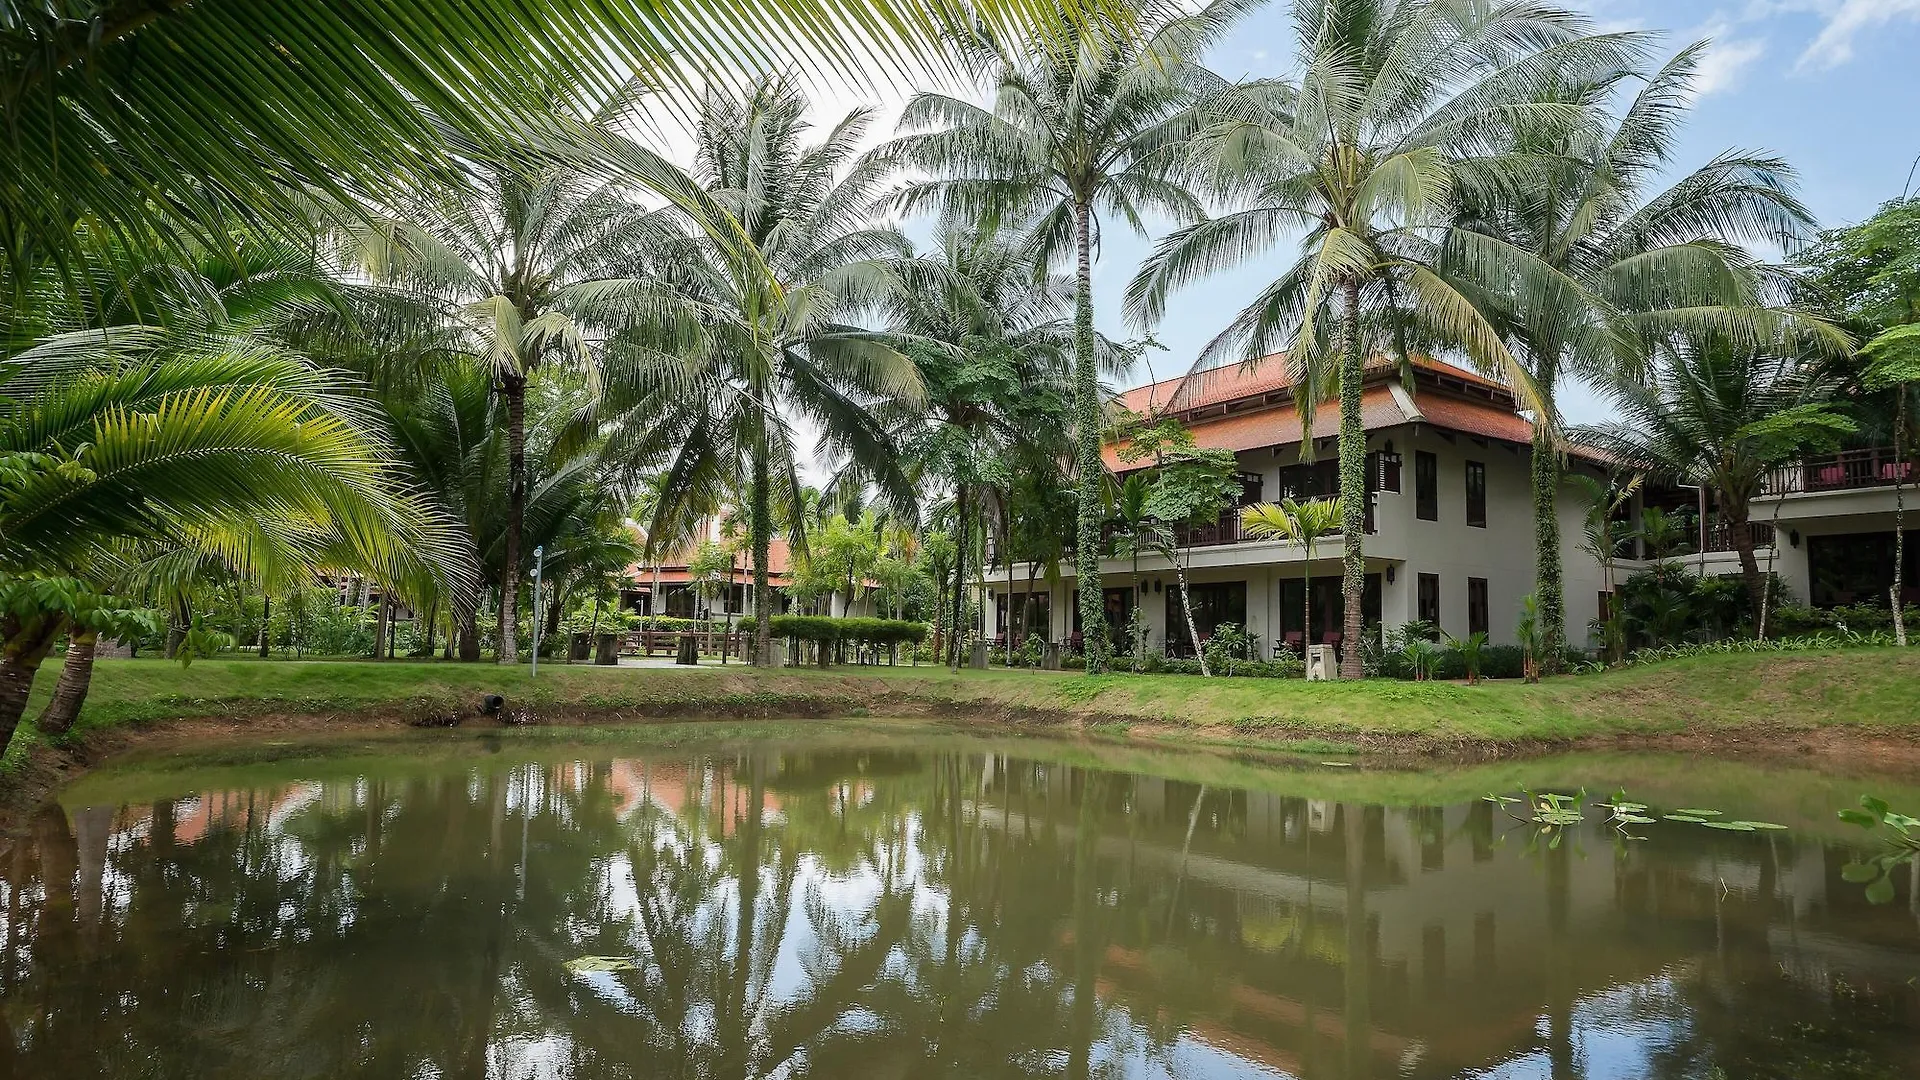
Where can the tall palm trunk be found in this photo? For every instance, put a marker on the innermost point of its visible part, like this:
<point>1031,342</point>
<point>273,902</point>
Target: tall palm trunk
<point>963,529</point>
<point>1086,419</point>
<point>760,525</point>
<point>266,623</point>
<point>27,644</point>
<point>1740,529</point>
<point>1549,588</point>
<point>515,389</point>
<point>1186,610</point>
<point>70,693</point>
<point>1353,490</point>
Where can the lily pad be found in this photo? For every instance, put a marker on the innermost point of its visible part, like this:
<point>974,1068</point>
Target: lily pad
<point>1760,825</point>
<point>1698,813</point>
<point>1730,826</point>
<point>1685,818</point>
<point>583,964</point>
<point>1633,819</point>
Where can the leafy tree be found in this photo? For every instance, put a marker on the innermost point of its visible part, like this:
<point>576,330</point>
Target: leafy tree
<point>1400,112</point>
<point>1722,415</point>
<point>1894,365</point>
<point>1190,485</point>
<point>1084,123</point>
<point>1601,534</point>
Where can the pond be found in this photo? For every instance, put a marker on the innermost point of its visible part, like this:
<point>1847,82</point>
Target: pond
<point>864,900</point>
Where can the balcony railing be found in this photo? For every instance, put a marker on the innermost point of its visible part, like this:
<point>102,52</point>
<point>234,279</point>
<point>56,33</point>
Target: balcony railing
<point>1719,535</point>
<point>1847,470</point>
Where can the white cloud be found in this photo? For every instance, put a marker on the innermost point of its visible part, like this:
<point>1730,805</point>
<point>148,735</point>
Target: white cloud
<point>1834,46</point>
<point>1725,62</point>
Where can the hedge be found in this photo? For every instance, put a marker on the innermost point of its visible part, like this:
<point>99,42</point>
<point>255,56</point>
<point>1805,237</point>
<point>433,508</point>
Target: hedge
<point>824,630</point>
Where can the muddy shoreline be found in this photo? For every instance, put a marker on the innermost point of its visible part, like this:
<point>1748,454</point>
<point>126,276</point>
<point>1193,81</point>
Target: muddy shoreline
<point>46,769</point>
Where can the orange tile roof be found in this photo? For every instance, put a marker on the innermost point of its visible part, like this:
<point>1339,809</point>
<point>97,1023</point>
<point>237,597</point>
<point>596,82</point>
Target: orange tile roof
<point>1269,374</point>
<point>1279,425</point>
<point>673,568</point>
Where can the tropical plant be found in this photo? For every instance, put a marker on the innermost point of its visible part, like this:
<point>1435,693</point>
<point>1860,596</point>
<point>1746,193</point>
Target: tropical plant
<point>1190,485</point>
<point>1530,636</point>
<point>1894,366</point>
<point>778,254</point>
<point>1601,533</point>
<point>1305,522</point>
<point>1083,121</point>
<point>1722,415</point>
<point>1586,264</point>
<point>1472,650</point>
<point>1401,111</point>
<point>984,325</point>
<point>237,115</point>
<point>141,436</point>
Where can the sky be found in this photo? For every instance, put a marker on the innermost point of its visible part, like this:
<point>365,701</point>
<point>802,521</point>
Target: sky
<point>1831,85</point>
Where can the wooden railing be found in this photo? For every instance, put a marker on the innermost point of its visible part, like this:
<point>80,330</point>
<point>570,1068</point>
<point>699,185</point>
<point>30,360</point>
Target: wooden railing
<point>1847,470</point>
<point>1719,535</point>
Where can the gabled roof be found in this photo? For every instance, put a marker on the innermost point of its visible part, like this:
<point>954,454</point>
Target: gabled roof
<point>1258,382</point>
<point>673,568</point>
<point>1242,409</point>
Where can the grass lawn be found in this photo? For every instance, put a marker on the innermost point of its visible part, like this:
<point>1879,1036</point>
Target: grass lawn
<point>1871,691</point>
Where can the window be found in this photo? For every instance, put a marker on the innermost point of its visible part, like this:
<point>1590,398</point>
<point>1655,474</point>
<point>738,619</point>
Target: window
<point>1213,604</point>
<point>1477,614</point>
<point>1430,598</point>
<point>1388,471</point>
<point>1477,493</point>
<point>1426,485</point>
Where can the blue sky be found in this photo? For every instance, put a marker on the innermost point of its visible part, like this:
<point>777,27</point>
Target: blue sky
<point>1830,84</point>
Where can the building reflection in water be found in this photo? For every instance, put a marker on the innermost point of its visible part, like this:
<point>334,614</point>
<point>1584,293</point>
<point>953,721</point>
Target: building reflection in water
<point>904,914</point>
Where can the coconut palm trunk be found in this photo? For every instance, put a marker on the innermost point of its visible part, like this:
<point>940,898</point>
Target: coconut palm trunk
<point>70,693</point>
<point>760,525</point>
<point>956,638</point>
<point>1086,419</point>
<point>27,643</point>
<point>1353,490</point>
<point>1549,585</point>
<point>514,388</point>
<point>1740,530</point>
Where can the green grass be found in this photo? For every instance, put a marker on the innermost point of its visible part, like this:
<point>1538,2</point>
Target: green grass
<point>1871,690</point>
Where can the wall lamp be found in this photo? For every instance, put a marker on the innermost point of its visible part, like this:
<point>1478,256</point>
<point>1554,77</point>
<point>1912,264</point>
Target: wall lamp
<point>1389,574</point>
<point>1793,537</point>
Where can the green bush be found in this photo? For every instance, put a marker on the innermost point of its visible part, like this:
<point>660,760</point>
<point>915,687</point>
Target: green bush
<point>824,630</point>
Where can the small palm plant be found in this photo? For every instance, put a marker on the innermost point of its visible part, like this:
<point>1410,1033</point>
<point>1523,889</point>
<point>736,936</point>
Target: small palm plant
<point>1305,522</point>
<point>1472,650</point>
<point>1531,634</point>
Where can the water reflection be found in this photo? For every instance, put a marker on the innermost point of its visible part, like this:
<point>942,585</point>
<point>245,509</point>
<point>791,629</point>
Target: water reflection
<point>794,912</point>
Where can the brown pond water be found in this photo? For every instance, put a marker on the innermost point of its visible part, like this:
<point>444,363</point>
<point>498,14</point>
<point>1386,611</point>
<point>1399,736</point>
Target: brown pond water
<point>887,906</point>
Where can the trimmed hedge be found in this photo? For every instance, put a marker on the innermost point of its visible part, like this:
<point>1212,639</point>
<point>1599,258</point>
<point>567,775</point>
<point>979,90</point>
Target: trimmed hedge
<point>824,630</point>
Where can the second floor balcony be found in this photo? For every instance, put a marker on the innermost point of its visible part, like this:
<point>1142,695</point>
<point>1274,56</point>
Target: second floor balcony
<point>1848,470</point>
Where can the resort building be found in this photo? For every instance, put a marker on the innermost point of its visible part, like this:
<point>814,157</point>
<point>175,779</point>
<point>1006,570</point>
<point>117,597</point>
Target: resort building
<point>1449,516</point>
<point>1825,525</point>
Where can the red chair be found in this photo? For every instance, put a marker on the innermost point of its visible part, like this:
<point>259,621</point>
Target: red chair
<point>1833,476</point>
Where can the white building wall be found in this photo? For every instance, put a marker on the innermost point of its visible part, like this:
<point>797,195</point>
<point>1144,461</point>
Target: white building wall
<point>1501,552</point>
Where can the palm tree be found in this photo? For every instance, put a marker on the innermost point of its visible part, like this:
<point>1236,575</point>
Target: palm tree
<point>1305,522</point>
<point>986,329</point>
<point>777,254</point>
<point>1586,262</point>
<point>228,111</point>
<point>1722,415</point>
<point>1079,125</point>
<point>1400,107</point>
<point>1601,534</point>
<point>139,435</point>
<point>531,267</point>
